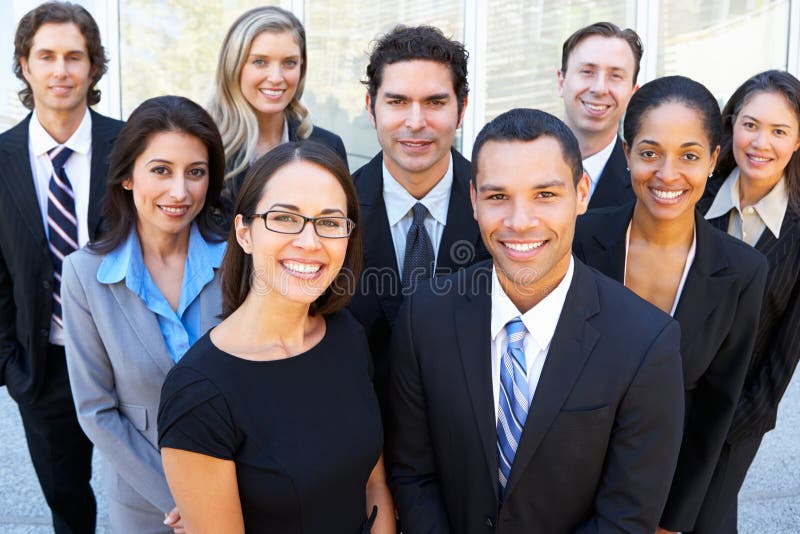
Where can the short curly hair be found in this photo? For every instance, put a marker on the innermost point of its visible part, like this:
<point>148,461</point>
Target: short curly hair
<point>409,43</point>
<point>59,13</point>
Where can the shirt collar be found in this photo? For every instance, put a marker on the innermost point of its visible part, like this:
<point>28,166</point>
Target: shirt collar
<point>42,142</point>
<point>541,320</point>
<point>771,208</point>
<point>125,261</point>
<point>399,201</point>
<point>594,164</point>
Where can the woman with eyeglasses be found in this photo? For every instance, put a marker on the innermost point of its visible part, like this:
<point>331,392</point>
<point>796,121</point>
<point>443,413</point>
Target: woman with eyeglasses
<point>270,422</point>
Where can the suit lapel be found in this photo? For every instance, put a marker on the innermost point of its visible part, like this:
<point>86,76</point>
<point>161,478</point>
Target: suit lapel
<point>572,343</point>
<point>18,176</point>
<point>458,247</point>
<point>705,284</point>
<point>605,250</point>
<point>379,255</point>
<point>210,301</point>
<point>777,249</point>
<point>144,323</point>
<point>474,344</point>
<point>615,182</point>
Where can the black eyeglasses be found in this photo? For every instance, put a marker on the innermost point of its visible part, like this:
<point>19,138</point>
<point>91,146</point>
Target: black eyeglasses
<point>286,222</point>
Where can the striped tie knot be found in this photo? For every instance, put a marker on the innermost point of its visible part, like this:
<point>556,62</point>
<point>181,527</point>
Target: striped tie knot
<point>515,330</point>
<point>59,156</point>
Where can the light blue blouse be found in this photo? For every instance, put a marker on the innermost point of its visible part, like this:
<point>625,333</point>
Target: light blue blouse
<point>180,328</point>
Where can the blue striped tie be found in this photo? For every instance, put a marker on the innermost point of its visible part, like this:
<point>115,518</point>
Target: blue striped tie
<point>513,406</point>
<point>62,224</point>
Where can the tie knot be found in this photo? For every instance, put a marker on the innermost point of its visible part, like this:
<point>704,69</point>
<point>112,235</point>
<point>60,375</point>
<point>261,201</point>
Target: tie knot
<point>59,156</point>
<point>515,330</point>
<point>420,211</point>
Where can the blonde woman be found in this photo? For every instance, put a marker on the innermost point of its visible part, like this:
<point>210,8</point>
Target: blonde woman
<point>260,79</point>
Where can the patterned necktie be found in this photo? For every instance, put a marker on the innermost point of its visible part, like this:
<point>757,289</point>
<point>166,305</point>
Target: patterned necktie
<point>513,406</point>
<point>62,224</point>
<point>418,262</point>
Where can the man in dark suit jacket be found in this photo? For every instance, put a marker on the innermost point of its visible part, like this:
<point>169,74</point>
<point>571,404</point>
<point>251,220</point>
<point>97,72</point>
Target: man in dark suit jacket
<point>60,59</point>
<point>599,68</point>
<point>530,393</point>
<point>416,96</point>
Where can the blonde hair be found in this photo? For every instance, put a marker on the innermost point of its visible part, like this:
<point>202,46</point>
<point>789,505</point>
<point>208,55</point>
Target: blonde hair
<point>234,116</point>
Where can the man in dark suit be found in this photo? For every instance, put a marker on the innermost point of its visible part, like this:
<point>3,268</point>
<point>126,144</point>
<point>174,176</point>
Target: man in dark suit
<point>414,194</point>
<point>52,177</point>
<point>599,68</point>
<point>530,393</point>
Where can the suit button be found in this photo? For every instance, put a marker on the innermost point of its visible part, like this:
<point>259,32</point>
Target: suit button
<point>46,284</point>
<point>489,521</point>
<point>44,332</point>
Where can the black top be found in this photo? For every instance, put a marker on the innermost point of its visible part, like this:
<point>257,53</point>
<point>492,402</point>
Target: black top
<point>305,431</point>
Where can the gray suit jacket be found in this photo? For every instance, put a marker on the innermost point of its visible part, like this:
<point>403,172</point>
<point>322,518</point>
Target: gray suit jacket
<point>117,360</point>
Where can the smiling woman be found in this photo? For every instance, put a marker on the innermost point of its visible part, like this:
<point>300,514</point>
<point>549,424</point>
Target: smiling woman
<point>664,251</point>
<point>271,421</point>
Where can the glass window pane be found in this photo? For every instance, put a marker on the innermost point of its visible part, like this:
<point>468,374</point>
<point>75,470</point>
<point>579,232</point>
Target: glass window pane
<point>339,33</point>
<point>524,39</point>
<point>722,43</point>
<point>170,47</point>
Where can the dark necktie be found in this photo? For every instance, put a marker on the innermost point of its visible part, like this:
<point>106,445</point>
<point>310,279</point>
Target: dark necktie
<point>418,262</point>
<point>62,224</point>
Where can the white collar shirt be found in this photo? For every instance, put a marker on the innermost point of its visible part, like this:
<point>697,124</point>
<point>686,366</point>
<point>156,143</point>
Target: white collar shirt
<point>399,202</point>
<point>540,323</point>
<point>78,169</point>
<point>594,165</point>
<point>749,223</point>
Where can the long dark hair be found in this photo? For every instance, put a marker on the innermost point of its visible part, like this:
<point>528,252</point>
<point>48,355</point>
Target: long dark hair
<point>772,81</point>
<point>156,115</point>
<point>237,266</point>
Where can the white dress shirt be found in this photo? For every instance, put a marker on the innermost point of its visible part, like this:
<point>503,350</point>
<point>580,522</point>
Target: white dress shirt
<point>749,223</point>
<point>78,169</point>
<point>594,165</point>
<point>540,321</point>
<point>686,266</point>
<point>399,202</point>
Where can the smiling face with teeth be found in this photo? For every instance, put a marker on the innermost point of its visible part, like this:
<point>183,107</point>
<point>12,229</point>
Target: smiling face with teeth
<point>271,73</point>
<point>525,201</point>
<point>765,136</point>
<point>596,87</point>
<point>416,116</point>
<point>168,184</point>
<point>670,159</point>
<point>295,267</point>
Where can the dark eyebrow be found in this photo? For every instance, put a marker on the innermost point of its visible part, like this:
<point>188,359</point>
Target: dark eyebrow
<point>398,96</point>
<point>687,144</point>
<point>292,207</point>
<point>160,160</point>
<point>787,126</point>
<point>555,183</point>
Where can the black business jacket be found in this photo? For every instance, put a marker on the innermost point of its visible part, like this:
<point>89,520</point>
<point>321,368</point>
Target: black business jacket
<point>378,295</point>
<point>26,271</point>
<point>719,304</point>
<point>602,435</point>
<point>234,184</point>
<point>614,185</point>
<point>777,347</point>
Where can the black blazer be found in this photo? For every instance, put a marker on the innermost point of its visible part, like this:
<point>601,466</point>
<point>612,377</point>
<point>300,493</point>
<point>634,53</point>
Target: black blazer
<point>720,303</point>
<point>26,272</point>
<point>378,295</point>
<point>777,347</point>
<point>234,184</point>
<point>614,185</point>
<point>601,440</point>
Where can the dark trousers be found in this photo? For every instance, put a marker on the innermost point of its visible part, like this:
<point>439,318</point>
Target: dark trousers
<point>720,508</point>
<point>60,451</point>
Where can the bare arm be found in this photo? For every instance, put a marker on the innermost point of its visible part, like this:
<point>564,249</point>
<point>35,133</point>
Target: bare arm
<point>205,490</point>
<point>378,495</point>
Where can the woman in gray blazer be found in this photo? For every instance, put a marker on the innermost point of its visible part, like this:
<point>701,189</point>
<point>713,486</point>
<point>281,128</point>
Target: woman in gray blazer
<point>138,297</point>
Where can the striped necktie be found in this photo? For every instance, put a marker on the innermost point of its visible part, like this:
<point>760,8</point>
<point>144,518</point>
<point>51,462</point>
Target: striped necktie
<point>419,258</point>
<point>62,224</point>
<point>513,406</point>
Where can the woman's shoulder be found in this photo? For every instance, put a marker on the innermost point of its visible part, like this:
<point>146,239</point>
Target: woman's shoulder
<point>740,257</point>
